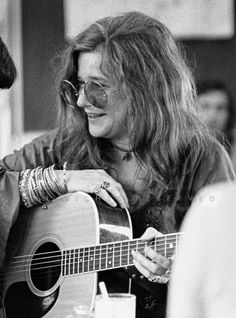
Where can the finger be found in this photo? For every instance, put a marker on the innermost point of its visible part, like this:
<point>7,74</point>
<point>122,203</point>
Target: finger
<point>117,186</point>
<point>144,271</point>
<point>150,234</point>
<point>142,262</point>
<point>117,195</point>
<point>122,191</point>
<point>157,258</point>
<point>103,194</point>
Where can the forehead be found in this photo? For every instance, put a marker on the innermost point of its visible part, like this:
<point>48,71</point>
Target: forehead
<point>89,65</point>
<point>214,97</point>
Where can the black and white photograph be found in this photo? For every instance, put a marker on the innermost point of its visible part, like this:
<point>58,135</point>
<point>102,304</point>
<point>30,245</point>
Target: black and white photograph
<point>117,159</point>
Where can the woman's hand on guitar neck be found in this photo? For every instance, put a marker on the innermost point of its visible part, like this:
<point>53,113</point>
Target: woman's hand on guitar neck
<point>151,264</point>
<point>98,182</point>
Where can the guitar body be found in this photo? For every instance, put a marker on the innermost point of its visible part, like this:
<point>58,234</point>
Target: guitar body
<point>68,222</point>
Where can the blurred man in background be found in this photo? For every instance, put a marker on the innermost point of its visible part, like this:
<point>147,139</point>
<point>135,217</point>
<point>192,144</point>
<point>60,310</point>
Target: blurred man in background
<point>217,110</point>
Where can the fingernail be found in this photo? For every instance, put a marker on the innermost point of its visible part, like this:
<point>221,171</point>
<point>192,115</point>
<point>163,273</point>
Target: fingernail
<point>114,204</point>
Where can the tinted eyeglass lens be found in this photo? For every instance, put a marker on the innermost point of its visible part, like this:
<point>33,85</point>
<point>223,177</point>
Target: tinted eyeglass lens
<point>95,94</point>
<point>69,93</point>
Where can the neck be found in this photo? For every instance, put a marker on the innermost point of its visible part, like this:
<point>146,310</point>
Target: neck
<point>124,150</point>
<point>122,145</point>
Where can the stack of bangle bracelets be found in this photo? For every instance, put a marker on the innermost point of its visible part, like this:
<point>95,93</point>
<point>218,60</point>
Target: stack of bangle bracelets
<point>41,185</point>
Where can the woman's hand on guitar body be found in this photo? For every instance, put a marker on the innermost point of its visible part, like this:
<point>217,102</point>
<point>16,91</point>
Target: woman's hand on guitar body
<point>98,182</point>
<point>154,266</point>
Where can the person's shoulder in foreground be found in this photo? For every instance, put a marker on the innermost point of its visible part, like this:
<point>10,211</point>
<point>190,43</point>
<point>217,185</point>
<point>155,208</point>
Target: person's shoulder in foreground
<point>204,278</point>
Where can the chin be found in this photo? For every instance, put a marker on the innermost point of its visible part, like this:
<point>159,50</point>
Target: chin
<point>102,134</point>
<point>98,133</point>
<point>106,132</point>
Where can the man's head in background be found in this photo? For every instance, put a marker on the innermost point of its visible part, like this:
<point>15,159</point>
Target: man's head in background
<point>7,67</point>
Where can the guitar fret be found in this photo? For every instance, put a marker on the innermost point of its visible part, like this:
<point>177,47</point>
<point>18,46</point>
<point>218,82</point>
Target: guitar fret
<point>124,257</point>
<point>103,256</point>
<point>141,246</point>
<point>76,260</point>
<point>64,263</point>
<point>128,253</point>
<point>72,272</point>
<point>97,258</point>
<point>91,259</point>
<point>117,255</point>
<point>94,257</point>
<point>110,257</point>
<point>133,247</point>
<point>171,246</point>
<point>67,262</point>
<point>81,260</point>
<point>145,245</point>
<point>86,260</point>
<point>130,257</point>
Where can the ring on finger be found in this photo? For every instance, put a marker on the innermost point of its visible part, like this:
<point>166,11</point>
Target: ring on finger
<point>95,189</point>
<point>105,185</point>
<point>155,279</point>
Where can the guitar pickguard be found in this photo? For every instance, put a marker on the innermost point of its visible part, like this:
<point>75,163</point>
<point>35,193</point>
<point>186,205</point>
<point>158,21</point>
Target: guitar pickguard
<point>21,302</point>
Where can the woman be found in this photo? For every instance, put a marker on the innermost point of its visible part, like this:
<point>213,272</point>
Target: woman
<point>129,133</point>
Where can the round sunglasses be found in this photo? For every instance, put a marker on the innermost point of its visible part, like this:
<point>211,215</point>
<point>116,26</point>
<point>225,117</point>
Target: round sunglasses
<point>94,92</point>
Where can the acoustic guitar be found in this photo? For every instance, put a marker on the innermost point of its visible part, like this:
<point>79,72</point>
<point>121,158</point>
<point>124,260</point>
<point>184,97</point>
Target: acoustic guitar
<point>56,250</point>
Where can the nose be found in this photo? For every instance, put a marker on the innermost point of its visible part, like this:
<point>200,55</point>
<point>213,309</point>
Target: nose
<point>82,99</point>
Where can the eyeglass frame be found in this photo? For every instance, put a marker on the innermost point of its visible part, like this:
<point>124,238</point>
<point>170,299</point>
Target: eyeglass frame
<point>77,91</point>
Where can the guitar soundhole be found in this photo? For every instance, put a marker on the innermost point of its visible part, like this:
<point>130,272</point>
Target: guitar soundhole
<point>46,266</point>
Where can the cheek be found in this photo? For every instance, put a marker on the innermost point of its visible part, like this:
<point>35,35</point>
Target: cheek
<point>223,118</point>
<point>120,121</point>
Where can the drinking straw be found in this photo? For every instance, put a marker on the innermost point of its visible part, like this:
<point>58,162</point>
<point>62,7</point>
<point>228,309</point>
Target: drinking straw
<point>103,290</point>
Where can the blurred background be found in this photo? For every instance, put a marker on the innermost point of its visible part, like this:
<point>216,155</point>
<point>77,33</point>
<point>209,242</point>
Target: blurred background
<point>36,31</point>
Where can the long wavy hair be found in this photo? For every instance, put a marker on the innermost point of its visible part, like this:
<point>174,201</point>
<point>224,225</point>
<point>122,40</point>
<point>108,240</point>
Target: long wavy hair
<point>145,59</point>
<point>7,67</point>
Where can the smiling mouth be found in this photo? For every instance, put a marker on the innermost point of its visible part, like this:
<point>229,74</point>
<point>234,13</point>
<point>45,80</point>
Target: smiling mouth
<point>94,116</point>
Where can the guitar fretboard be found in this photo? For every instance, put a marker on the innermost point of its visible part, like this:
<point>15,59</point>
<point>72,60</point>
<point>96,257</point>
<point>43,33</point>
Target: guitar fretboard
<point>114,254</point>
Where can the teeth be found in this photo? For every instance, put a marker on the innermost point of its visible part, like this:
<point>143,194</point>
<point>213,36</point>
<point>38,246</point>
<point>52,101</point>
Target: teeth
<point>94,116</point>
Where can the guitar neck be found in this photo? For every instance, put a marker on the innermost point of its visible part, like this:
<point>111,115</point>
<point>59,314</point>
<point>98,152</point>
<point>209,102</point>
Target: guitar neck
<point>114,254</point>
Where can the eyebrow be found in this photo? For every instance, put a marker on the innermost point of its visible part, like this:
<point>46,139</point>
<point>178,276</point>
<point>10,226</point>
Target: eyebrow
<point>95,78</point>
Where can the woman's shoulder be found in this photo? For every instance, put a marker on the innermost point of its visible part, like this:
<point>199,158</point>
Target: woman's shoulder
<point>46,137</point>
<point>39,151</point>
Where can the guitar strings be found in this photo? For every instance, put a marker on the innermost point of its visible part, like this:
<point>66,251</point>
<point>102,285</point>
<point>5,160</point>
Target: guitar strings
<point>141,244</point>
<point>71,269</point>
<point>86,264</point>
<point>50,255</point>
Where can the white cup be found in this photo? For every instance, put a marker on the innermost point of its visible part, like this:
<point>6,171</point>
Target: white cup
<point>118,305</point>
